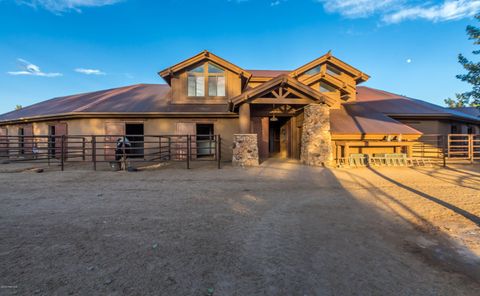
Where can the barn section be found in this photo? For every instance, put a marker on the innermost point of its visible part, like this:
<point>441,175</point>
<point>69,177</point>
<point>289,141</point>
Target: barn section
<point>115,127</point>
<point>265,106</point>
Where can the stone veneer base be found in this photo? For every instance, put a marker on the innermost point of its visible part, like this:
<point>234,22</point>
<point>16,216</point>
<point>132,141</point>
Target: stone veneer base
<point>316,147</point>
<point>245,150</point>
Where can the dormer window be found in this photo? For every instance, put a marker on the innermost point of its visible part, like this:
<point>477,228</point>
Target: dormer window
<point>333,71</point>
<point>313,71</point>
<point>324,87</point>
<point>207,76</point>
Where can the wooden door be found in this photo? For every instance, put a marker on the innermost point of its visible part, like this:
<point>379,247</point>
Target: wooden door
<point>60,130</point>
<point>28,140</point>
<point>260,126</point>
<point>3,142</point>
<point>113,131</point>
<point>183,130</point>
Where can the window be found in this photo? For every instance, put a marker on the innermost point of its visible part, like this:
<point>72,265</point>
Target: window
<point>324,87</point>
<point>196,82</point>
<point>333,71</point>
<point>453,129</point>
<point>207,76</point>
<point>313,71</point>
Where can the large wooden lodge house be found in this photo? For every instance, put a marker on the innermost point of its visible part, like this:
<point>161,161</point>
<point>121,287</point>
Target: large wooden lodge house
<point>316,113</point>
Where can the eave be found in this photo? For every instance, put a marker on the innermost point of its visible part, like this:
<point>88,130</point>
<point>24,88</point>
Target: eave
<point>432,116</point>
<point>80,115</point>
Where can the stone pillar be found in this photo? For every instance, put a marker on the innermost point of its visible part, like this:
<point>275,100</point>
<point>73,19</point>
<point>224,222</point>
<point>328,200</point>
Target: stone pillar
<point>316,138</point>
<point>245,150</point>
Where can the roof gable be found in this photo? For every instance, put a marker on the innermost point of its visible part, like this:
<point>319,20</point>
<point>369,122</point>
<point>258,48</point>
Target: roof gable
<point>280,82</point>
<point>205,55</point>
<point>356,74</point>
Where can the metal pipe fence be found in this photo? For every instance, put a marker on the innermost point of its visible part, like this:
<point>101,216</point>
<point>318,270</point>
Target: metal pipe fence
<point>448,147</point>
<point>113,149</point>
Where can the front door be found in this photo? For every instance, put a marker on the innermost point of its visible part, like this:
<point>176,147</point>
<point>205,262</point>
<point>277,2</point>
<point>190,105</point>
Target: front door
<point>280,137</point>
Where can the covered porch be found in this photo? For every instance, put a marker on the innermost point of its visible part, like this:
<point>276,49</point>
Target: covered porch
<point>274,117</point>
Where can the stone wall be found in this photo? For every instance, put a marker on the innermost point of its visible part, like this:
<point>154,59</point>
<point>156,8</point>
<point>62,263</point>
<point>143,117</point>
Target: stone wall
<point>316,138</point>
<point>245,150</point>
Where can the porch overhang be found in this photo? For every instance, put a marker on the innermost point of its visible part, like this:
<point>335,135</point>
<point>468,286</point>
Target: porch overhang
<point>303,94</point>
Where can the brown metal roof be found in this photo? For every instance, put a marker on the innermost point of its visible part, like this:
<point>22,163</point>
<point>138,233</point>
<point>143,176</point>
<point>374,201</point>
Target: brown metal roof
<point>469,110</point>
<point>398,105</point>
<point>358,119</point>
<point>267,73</point>
<point>129,99</point>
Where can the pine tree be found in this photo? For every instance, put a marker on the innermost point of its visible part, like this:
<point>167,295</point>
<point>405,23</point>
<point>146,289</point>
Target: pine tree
<point>472,97</point>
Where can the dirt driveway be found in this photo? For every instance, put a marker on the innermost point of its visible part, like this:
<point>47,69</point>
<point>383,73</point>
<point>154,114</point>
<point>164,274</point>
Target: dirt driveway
<point>280,229</point>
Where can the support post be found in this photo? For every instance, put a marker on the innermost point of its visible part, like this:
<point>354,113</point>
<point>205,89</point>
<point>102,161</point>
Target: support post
<point>169,148</point>
<point>94,152</point>
<point>124,155</point>
<point>409,150</point>
<point>83,148</point>
<point>188,151</point>
<point>445,147</point>
<point>219,151</point>
<point>244,113</point>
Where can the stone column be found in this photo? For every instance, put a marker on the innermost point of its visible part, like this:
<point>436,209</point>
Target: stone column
<point>316,138</point>
<point>245,150</point>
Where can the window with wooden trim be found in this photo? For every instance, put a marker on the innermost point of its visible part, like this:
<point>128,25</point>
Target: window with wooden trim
<point>208,77</point>
<point>333,70</point>
<point>313,71</point>
<point>325,87</point>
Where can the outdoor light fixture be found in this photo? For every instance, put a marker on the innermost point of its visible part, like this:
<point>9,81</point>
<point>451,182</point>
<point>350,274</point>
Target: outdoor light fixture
<point>273,118</point>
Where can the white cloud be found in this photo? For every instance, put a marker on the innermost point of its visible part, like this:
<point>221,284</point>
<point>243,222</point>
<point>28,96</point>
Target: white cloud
<point>58,6</point>
<point>30,69</point>
<point>449,10</point>
<point>90,71</point>
<point>358,8</point>
<point>395,11</point>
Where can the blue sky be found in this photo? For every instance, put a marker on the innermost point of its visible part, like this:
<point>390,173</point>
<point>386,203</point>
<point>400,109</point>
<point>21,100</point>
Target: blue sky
<point>51,48</point>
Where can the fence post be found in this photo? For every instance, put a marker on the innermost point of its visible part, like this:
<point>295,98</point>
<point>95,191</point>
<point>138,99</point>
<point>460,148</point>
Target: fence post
<point>83,148</point>
<point>445,147</point>
<point>62,157</point>
<point>49,150</point>
<point>169,148</point>
<point>188,151</point>
<point>160,148</point>
<point>470,147</point>
<point>219,151</point>
<point>124,155</point>
<point>94,152</point>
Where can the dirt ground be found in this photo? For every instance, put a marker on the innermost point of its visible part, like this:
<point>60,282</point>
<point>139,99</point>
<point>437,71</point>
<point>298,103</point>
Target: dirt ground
<point>280,229</point>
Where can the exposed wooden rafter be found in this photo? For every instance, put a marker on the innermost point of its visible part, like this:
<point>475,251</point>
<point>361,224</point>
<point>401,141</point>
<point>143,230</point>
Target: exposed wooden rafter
<point>282,87</point>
